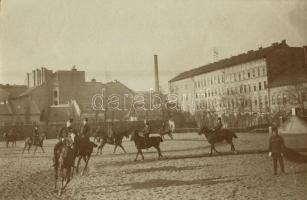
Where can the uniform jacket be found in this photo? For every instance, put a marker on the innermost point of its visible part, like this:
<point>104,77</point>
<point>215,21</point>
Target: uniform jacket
<point>276,144</point>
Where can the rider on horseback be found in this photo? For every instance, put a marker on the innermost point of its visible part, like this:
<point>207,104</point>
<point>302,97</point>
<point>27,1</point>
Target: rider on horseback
<point>36,139</point>
<point>63,135</point>
<point>218,127</point>
<point>146,132</point>
<point>85,131</point>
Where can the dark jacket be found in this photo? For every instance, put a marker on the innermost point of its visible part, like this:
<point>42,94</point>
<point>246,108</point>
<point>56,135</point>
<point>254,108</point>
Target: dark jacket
<point>86,130</point>
<point>219,126</point>
<point>276,144</point>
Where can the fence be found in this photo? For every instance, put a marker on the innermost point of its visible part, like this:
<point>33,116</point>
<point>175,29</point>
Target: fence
<point>51,130</point>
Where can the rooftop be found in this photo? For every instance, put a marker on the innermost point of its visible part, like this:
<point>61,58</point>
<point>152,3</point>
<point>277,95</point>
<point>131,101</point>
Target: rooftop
<point>234,60</point>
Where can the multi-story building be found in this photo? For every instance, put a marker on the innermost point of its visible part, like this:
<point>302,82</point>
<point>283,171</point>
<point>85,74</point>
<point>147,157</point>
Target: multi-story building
<point>247,83</point>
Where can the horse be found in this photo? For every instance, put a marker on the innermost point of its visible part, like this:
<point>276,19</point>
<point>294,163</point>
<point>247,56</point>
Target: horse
<point>140,144</point>
<point>116,140</point>
<point>85,151</point>
<point>9,137</point>
<point>28,144</point>
<point>39,143</point>
<point>225,134</point>
<point>65,165</point>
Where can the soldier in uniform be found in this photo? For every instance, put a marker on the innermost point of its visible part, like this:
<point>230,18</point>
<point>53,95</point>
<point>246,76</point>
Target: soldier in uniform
<point>36,139</point>
<point>62,136</point>
<point>146,132</point>
<point>218,126</point>
<point>276,146</point>
<point>85,131</point>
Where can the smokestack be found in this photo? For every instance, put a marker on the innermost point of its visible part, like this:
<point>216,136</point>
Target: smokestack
<point>156,74</point>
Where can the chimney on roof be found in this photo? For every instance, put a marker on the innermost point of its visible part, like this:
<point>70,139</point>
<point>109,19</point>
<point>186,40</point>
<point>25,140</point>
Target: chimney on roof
<point>156,73</point>
<point>260,48</point>
<point>74,68</point>
<point>283,42</point>
<point>274,44</point>
<point>250,51</point>
<point>93,80</point>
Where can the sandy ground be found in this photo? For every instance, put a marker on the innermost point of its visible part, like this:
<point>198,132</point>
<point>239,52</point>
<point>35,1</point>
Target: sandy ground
<point>185,172</point>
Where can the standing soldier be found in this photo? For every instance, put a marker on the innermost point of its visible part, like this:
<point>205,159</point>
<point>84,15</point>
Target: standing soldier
<point>276,146</point>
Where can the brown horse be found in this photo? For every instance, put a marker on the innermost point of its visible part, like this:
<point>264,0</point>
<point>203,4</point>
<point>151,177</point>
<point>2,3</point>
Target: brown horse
<point>140,144</point>
<point>10,137</point>
<point>115,140</point>
<point>212,138</point>
<point>28,144</point>
<point>64,166</point>
<point>85,151</point>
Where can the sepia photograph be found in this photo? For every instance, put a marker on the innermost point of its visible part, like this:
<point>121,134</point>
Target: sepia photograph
<point>153,99</point>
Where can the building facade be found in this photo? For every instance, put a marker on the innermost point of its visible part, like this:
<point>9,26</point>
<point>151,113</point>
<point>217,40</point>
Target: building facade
<point>248,83</point>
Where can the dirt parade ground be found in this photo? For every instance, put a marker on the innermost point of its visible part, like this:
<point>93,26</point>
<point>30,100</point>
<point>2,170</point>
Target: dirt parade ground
<point>186,172</point>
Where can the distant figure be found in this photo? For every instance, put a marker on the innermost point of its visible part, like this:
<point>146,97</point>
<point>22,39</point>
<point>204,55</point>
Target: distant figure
<point>85,131</point>
<point>276,147</point>
<point>35,136</point>
<point>146,131</point>
<point>218,126</point>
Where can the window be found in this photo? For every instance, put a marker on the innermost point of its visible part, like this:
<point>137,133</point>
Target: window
<point>255,88</point>
<point>254,73</point>
<point>258,69</point>
<point>256,102</point>
<point>245,90</point>
<point>248,74</point>
<point>273,99</point>
<point>259,86</point>
<point>56,102</point>
<point>265,85</point>
<point>264,71</point>
<point>239,76</point>
<point>249,88</point>
<point>55,93</point>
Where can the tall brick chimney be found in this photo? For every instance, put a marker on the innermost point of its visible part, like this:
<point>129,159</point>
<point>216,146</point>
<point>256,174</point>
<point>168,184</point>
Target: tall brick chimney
<point>156,74</point>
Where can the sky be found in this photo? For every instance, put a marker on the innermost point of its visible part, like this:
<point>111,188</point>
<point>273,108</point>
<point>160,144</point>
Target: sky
<point>117,39</point>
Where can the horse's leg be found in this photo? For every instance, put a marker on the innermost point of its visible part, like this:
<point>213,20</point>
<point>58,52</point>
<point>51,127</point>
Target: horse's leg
<point>215,149</point>
<point>24,148</point>
<point>159,152</point>
<point>142,154</point>
<point>115,148</point>
<point>55,177</point>
<point>86,164</point>
<point>121,146</point>
<point>78,163</point>
<point>42,149</point>
<point>137,154</point>
<point>35,150</point>
<point>100,147</point>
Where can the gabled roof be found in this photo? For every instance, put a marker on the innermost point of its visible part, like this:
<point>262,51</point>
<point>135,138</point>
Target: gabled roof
<point>13,90</point>
<point>24,107</point>
<point>234,60</point>
<point>29,90</point>
<point>112,84</point>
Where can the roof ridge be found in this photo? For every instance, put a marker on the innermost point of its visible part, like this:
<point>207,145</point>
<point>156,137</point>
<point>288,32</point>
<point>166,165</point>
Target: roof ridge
<point>240,58</point>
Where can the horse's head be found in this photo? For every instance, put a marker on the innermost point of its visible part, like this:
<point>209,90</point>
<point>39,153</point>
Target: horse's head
<point>203,130</point>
